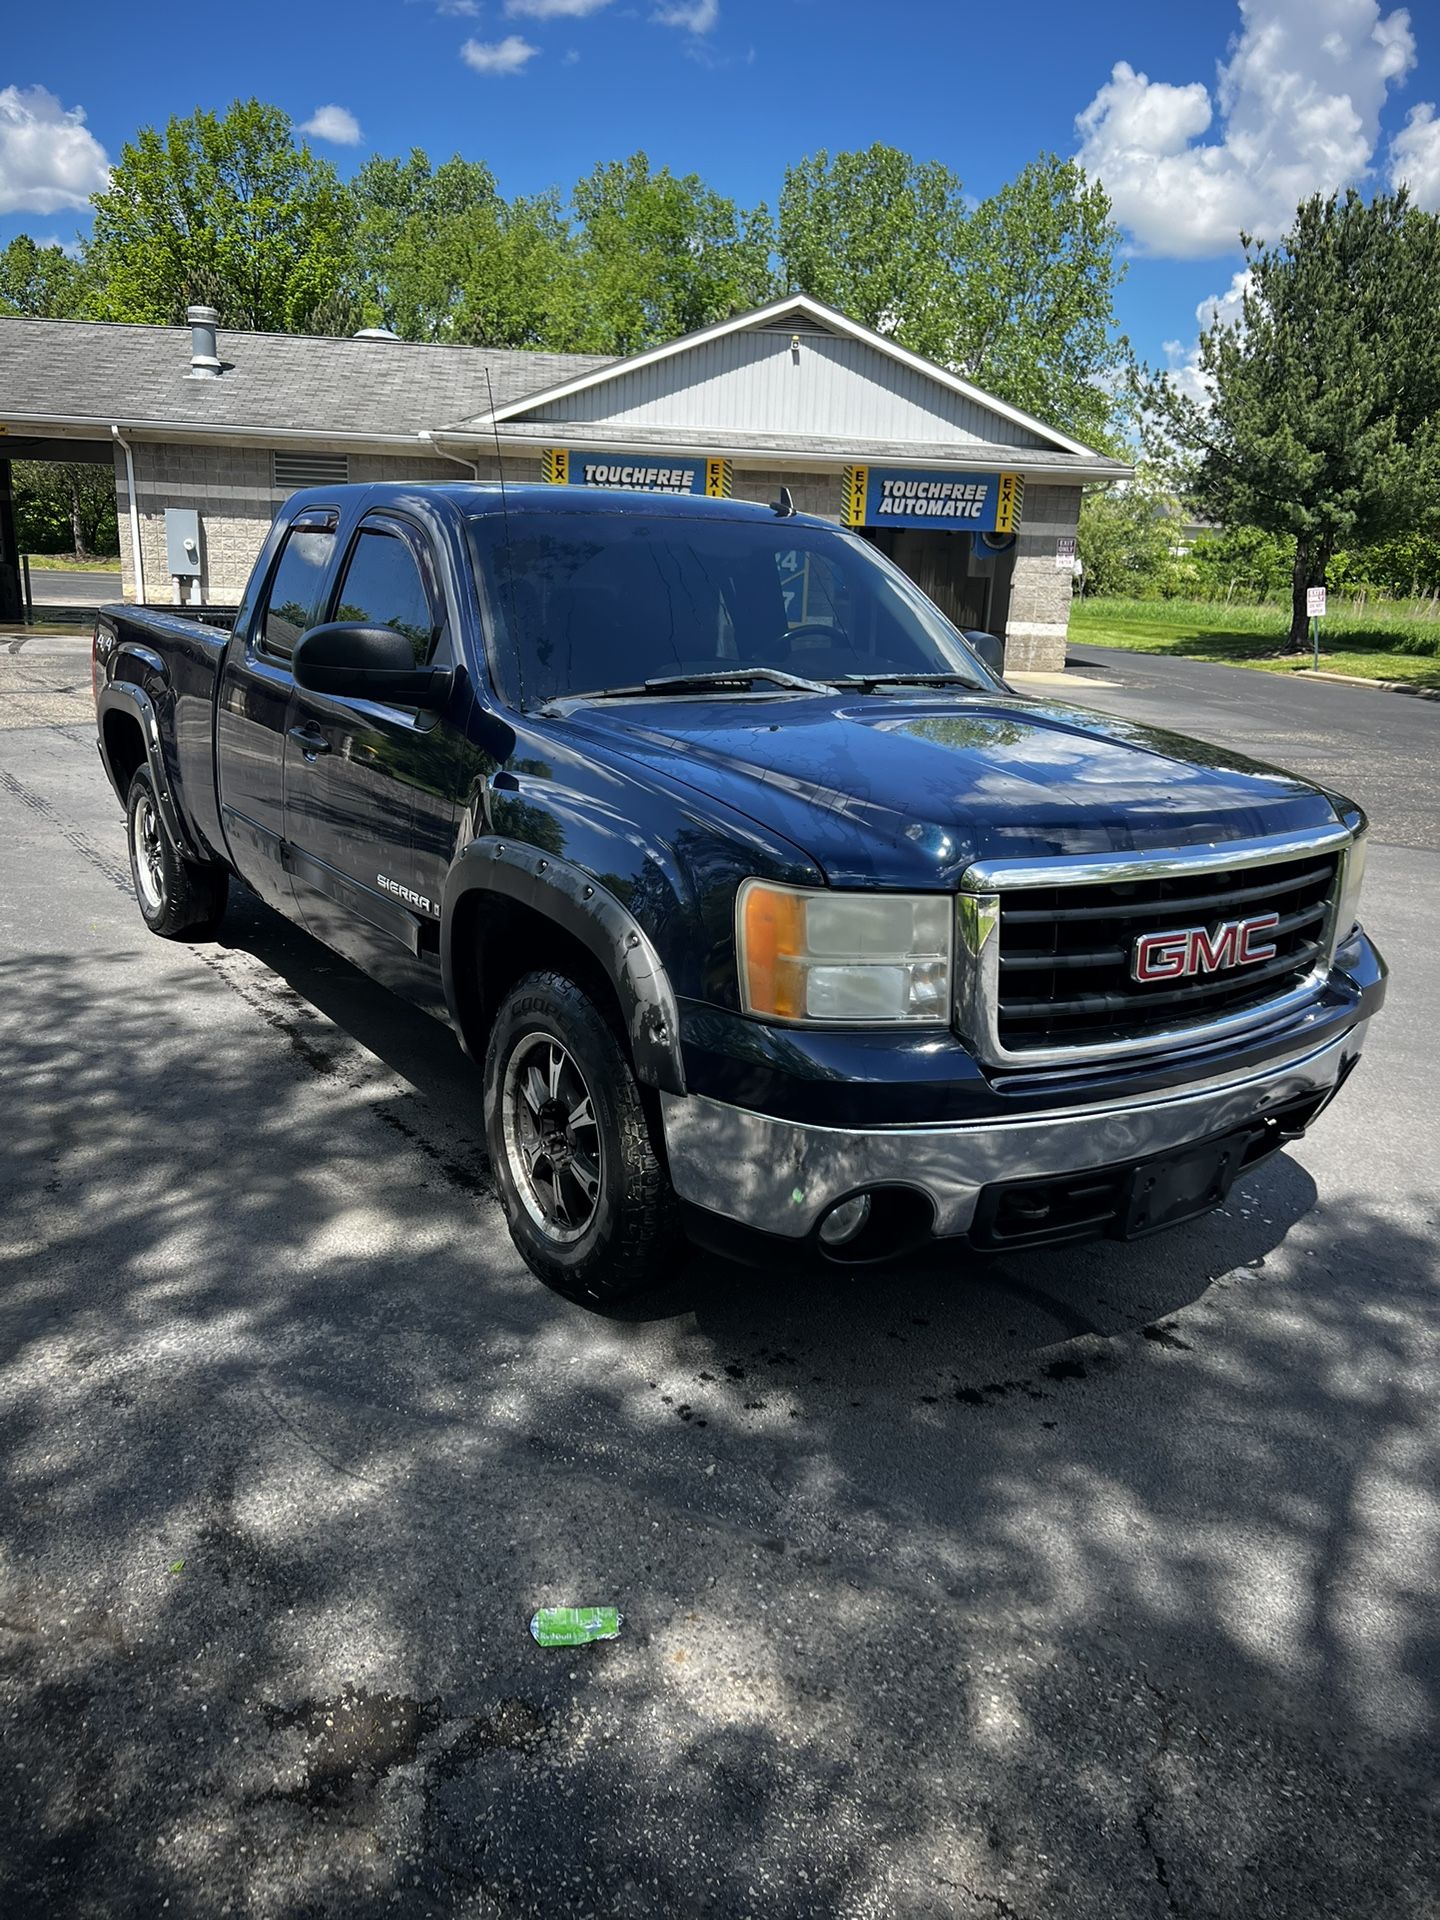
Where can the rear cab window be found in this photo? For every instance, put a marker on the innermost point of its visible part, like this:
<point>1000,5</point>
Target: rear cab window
<point>296,585</point>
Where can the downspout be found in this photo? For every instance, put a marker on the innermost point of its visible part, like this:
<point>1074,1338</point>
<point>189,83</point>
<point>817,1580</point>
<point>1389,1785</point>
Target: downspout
<point>430,440</point>
<point>135,554</point>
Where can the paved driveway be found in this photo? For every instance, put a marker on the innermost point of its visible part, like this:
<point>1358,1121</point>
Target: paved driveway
<point>1088,1583</point>
<point>1381,748</point>
<point>74,587</point>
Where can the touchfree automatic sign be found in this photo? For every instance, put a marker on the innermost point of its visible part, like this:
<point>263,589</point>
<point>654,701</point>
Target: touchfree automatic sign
<point>959,502</point>
<point>656,473</point>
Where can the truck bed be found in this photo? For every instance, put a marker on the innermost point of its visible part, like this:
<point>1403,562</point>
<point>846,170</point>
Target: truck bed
<point>167,615</point>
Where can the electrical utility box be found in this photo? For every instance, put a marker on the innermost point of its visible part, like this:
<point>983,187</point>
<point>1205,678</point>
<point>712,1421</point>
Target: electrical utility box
<point>182,542</point>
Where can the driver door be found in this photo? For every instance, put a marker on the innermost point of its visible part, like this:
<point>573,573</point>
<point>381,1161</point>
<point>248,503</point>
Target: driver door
<point>370,799</point>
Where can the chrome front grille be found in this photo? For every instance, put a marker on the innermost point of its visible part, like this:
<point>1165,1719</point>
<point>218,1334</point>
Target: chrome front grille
<point>1048,946</point>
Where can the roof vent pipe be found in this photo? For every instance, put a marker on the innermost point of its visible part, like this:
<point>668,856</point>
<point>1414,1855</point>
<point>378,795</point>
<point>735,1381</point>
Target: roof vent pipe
<point>204,359</point>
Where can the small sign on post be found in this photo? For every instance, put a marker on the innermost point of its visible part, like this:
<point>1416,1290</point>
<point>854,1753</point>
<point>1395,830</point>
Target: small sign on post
<point>1065,553</point>
<point>1315,612</point>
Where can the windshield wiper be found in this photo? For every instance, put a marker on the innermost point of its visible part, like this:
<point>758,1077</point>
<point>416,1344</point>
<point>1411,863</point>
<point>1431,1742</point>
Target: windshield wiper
<point>718,682</point>
<point>867,682</point>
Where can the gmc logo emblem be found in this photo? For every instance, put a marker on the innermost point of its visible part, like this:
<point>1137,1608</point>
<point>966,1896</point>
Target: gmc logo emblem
<point>1191,950</point>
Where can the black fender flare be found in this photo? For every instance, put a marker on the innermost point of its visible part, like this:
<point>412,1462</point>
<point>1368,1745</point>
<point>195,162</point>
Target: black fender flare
<point>578,904</point>
<point>125,696</point>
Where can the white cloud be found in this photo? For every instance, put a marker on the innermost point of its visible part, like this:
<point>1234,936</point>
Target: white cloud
<point>555,9</point>
<point>70,248</point>
<point>335,124</point>
<point>458,9</point>
<point>1299,113</point>
<point>509,55</point>
<point>695,16</point>
<point>49,158</point>
<point>1415,157</point>
<point>1228,309</point>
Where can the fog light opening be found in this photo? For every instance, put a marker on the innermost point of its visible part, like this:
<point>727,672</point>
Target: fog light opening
<point>845,1222</point>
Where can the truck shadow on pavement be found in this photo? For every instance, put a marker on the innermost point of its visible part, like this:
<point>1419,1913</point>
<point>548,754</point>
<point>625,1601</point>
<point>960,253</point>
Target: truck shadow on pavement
<point>1087,1583</point>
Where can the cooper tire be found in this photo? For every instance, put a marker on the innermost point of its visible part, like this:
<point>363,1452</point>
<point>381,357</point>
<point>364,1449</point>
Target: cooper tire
<point>588,1200</point>
<point>179,899</point>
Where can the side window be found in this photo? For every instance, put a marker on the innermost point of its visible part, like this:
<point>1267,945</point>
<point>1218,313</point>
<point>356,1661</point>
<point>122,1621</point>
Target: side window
<point>295,587</point>
<point>382,586</point>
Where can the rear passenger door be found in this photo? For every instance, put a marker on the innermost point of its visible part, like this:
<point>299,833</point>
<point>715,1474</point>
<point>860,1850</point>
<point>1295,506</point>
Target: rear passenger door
<point>370,800</point>
<point>255,700</point>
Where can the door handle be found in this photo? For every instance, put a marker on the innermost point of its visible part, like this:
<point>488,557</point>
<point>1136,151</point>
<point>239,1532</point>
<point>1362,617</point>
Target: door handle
<point>310,740</point>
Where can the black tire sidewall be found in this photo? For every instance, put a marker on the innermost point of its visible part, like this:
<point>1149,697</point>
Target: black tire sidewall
<point>553,1005</point>
<point>192,896</point>
<point>159,920</point>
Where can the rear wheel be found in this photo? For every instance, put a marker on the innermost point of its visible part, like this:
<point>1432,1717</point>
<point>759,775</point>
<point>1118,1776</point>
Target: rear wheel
<point>588,1202</point>
<point>179,899</point>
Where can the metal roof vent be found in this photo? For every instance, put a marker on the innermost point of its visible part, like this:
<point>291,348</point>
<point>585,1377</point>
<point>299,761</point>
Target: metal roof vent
<point>376,333</point>
<point>204,358</point>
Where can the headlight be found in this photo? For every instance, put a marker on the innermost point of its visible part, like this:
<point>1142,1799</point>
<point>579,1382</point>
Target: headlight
<point>1352,873</point>
<point>851,959</point>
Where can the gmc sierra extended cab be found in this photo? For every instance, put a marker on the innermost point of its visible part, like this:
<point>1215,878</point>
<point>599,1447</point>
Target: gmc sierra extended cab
<point>770,911</point>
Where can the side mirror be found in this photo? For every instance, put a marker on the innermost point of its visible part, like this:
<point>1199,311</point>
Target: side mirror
<point>354,661</point>
<point>989,646</point>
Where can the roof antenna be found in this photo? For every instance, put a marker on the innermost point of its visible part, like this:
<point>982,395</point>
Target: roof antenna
<point>509,550</point>
<point>784,506</point>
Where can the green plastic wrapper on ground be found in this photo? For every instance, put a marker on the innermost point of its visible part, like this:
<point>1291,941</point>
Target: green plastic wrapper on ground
<point>575,1626</point>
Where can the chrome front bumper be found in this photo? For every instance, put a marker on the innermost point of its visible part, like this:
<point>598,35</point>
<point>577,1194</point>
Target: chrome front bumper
<point>781,1176</point>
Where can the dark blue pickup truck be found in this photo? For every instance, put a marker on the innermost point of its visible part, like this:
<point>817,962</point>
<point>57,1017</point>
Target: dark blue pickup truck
<point>772,913</point>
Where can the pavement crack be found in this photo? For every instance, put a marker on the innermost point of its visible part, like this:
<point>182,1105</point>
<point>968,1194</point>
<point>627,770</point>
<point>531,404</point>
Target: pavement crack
<point>310,1446</point>
<point>996,1901</point>
<point>1148,1811</point>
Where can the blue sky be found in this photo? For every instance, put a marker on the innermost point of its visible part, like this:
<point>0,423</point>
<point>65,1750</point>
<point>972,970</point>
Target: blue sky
<point>1199,118</point>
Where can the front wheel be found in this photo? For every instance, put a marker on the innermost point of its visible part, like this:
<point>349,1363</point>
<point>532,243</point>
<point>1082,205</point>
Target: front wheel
<point>179,898</point>
<point>588,1202</point>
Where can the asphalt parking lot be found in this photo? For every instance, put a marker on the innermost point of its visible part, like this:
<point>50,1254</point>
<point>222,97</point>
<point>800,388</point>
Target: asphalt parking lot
<point>1086,1583</point>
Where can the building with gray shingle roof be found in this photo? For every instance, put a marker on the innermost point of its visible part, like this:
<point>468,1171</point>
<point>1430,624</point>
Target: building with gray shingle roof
<point>93,373</point>
<point>972,497</point>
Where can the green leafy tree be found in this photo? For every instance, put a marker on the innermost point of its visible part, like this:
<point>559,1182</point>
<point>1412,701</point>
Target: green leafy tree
<point>228,211</point>
<point>1017,293</point>
<point>65,506</point>
<point>397,205</point>
<point>883,238</point>
<point>660,255</point>
<point>1038,281</point>
<point>1127,537</point>
<point>1322,422</point>
<point>1245,560</point>
<point>42,281</point>
<point>499,274</point>
<point>1408,565</point>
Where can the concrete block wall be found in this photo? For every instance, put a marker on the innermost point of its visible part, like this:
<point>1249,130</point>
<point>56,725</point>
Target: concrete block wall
<point>230,486</point>
<point>233,490</point>
<point>1038,621</point>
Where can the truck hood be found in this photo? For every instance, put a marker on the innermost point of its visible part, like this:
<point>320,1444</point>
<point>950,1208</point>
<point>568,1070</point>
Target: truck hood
<point>893,790</point>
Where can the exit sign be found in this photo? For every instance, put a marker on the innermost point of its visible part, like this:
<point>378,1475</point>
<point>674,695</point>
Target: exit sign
<point>1315,603</point>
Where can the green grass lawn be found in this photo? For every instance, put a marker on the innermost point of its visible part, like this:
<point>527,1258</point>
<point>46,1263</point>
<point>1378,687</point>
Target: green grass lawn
<point>67,563</point>
<point>1354,640</point>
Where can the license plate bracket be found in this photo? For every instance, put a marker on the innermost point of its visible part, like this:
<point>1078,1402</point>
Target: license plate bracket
<point>1181,1185</point>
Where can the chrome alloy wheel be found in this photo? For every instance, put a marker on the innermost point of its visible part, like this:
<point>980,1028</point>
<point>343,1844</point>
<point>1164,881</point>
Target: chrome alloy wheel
<point>148,854</point>
<point>552,1138</point>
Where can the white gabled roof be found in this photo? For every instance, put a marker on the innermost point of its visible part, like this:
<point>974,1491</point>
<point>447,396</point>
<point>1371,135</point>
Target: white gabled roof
<point>793,306</point>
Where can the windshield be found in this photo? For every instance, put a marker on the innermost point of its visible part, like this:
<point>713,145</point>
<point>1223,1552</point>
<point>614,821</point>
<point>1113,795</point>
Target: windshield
<point>586,602</point>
